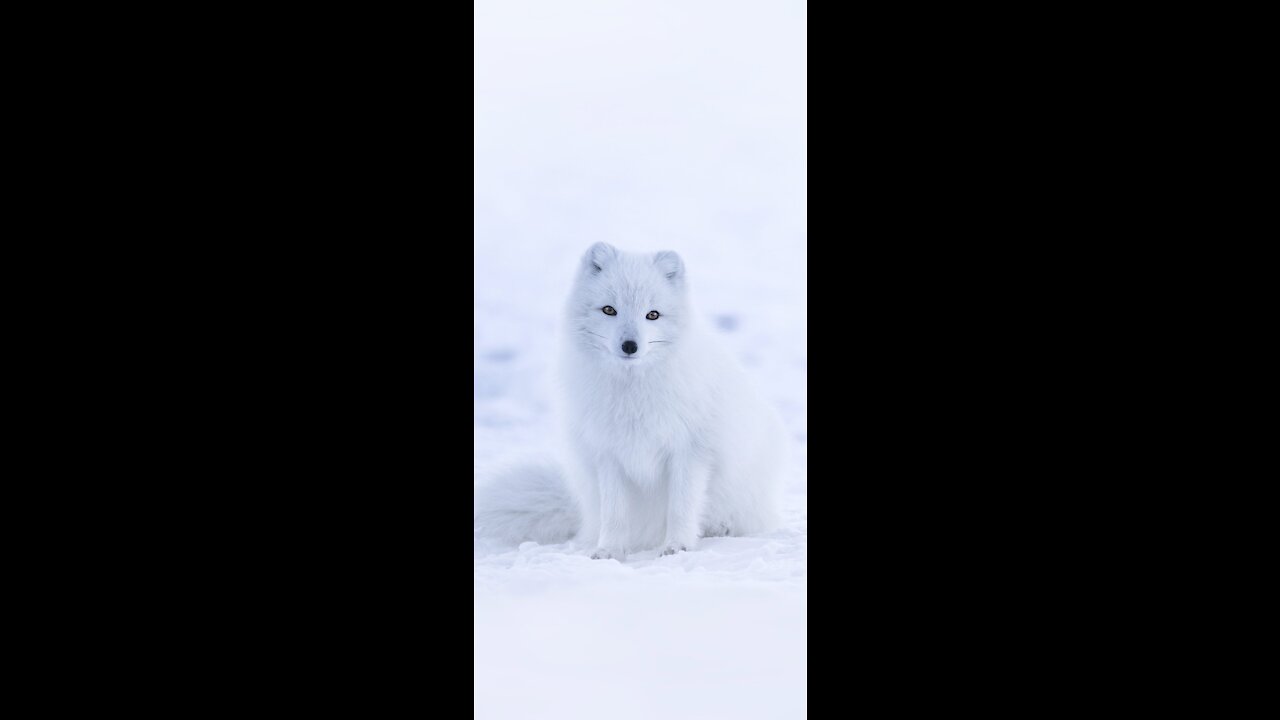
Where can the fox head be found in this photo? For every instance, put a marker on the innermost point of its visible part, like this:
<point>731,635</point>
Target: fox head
<point>630,307</point>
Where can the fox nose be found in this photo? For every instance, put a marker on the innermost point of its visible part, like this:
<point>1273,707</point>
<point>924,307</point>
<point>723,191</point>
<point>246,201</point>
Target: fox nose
<point>629,347</point>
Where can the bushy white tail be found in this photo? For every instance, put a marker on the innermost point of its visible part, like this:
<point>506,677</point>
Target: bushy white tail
<point>526,502</point>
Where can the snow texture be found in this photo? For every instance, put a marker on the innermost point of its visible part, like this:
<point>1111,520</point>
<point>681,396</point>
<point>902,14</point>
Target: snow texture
<point>651,125</point>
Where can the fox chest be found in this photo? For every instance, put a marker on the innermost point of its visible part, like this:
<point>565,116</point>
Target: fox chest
<point>638,436</point>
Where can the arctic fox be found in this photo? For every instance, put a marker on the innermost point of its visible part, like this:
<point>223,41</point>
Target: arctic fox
<point>668,440</point>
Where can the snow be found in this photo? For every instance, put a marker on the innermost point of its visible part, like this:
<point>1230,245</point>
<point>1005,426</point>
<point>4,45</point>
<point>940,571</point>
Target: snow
<point>650,125</point>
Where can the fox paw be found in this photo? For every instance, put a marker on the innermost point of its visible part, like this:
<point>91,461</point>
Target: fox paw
<point>673,548</point>
<point>606,554</point>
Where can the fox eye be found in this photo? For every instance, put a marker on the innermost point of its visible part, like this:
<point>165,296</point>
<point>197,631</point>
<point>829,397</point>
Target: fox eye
<point>653,315</point>
<point>609,310</point>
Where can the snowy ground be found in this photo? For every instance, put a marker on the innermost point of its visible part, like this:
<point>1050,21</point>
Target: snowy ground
<point>651,125</point>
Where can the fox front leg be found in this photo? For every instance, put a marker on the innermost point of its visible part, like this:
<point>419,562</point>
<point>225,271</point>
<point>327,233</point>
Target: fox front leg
<point>686,495</point>
<point>613,516</point>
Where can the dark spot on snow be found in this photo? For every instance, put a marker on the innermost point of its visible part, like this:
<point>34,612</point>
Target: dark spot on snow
<point>500,355</point>
<point>727,323</point>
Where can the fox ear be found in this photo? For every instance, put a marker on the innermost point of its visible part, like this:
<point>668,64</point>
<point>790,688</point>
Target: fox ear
<point>670,264</point>
<point>598,256</point>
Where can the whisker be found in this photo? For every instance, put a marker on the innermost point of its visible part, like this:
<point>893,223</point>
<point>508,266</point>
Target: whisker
<point>596,334</point>
<point>654,341</point>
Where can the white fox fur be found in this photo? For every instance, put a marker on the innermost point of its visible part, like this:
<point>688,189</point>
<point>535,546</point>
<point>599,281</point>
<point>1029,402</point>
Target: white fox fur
<point>669,442</point>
